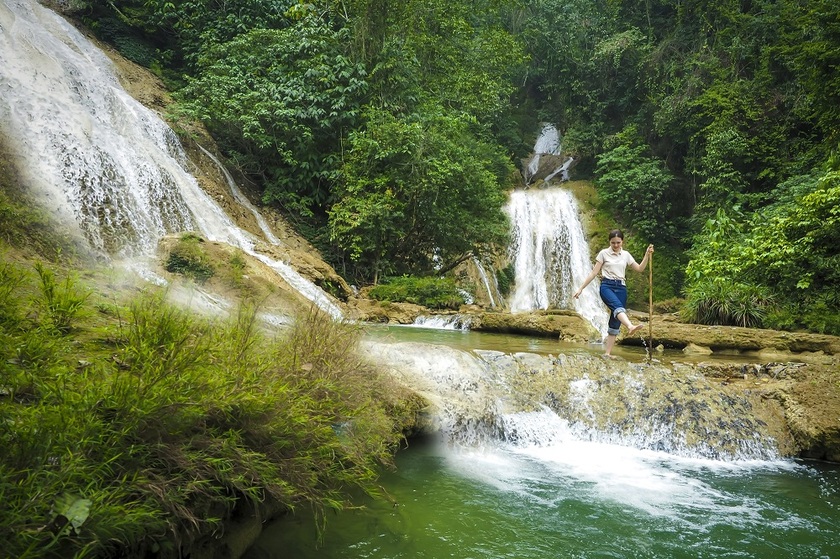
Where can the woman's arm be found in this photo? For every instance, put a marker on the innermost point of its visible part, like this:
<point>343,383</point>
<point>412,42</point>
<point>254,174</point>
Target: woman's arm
<point>641,267</point>
<point>595,271</point>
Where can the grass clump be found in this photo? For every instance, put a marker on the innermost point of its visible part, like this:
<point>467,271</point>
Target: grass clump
<point>717,302</point>
<point>431,292</point>
<point>189,259</point>
<point>139,431</point>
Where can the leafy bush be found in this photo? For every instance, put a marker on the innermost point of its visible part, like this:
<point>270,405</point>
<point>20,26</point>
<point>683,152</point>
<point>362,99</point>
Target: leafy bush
<point>636,186</point>
<point>434,293</point>
<point>147,428</point>
<point>189,259</point>
<point>724,303</point>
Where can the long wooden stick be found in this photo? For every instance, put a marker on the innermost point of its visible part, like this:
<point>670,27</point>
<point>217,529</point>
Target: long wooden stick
<point>650,307</point>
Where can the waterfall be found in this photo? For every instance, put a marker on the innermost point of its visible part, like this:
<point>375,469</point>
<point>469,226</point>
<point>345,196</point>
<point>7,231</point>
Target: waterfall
<point>443,322</point>
<point>106,167</point>
<point>550,255</point>
<point>524,400</point>
<point>301,284</point>
<point>483,273</point>
<point>548,250</point>
<point>243,200</point>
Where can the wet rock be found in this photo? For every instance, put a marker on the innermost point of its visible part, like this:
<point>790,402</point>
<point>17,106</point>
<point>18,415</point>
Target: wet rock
<point>694,349</point>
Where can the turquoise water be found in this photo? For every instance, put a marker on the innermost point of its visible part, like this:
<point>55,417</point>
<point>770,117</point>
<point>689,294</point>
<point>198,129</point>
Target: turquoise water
<point>585,501</point>
<point>569,497</point>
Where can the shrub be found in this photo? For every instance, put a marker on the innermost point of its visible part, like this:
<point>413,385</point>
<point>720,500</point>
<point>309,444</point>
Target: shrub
<point>504,279</point>
<point>718,302</point>
<point>434,293</point>
<point>148,427</point>
<point>188,258</point>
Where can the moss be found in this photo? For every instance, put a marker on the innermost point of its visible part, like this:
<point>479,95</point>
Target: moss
<point>25,228</point>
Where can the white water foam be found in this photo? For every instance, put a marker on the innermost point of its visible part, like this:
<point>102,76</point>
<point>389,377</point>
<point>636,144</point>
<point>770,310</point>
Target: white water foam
<point>443,322</point>
<point>546,452</point>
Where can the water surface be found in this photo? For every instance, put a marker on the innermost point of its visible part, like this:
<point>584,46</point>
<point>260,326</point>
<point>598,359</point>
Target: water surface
<point>580,500</point>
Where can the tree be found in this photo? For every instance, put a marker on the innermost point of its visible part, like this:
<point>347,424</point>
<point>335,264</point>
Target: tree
<point>415,192</point>
<point>636,186</point>
<point>279,102</point>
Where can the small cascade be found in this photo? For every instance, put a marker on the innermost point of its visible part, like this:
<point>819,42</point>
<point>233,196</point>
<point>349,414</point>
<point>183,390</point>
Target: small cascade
<point>526,400</point>
<point>106,166</point>
<point>443,322</point>
<point>243,200</point>
<point>547,160</point>
<point>301,284</point>
<point>484,279</point>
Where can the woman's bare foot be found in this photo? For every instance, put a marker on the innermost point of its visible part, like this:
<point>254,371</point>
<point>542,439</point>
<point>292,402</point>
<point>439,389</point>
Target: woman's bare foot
<point>635,329</point>
<point>608,356</point>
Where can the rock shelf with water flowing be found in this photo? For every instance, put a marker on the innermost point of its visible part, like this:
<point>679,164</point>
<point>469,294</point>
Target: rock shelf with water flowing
<point>523,399</point>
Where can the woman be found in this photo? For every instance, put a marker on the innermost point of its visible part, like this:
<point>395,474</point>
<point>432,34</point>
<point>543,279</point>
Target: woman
<point>612,263</point>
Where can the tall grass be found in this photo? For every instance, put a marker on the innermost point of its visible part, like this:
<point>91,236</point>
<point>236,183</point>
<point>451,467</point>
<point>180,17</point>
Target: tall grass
<point>140,431</point>
<point>717,302</point>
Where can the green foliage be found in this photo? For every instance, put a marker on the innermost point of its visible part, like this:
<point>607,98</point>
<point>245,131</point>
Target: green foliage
<point>154,32</point>
<point>417,189</point>
<point>725,184</point>
<point>668,271</point>
<point>467,61</point>
<point>431,292</point>
<point>279,102</point>
<point>810,47</point>
<point>135,436</point>
<point>710,255</point>
<point>505,278</point>
<point>188,258</point>
<point>720,302</point>
<point>637,187</point>
<point>788,248</point>
<point>61,302</point>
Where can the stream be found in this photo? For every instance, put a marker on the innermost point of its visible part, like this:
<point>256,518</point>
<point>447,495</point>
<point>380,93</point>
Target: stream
<point>555,491</point>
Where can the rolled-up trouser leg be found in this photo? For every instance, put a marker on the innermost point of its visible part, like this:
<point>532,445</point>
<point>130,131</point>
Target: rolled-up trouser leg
<point>614,295</point>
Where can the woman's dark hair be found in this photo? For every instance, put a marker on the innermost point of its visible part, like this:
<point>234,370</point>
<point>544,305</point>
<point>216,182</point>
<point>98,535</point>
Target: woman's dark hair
<point>616,233</point>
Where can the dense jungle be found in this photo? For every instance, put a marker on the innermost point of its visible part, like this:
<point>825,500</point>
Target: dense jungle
<point>388,134</point>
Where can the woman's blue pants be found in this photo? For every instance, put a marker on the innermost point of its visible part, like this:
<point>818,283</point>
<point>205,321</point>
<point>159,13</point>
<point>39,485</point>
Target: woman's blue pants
<point>614,295</point>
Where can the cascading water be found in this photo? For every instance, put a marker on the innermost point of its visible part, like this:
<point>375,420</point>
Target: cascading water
<point>526,399</point>
<point>105,165</point>
<point>549,251</point>
<point>484,279</point>
<point>301,284</point>
<point>574,456</point>
<point>550,255</point>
